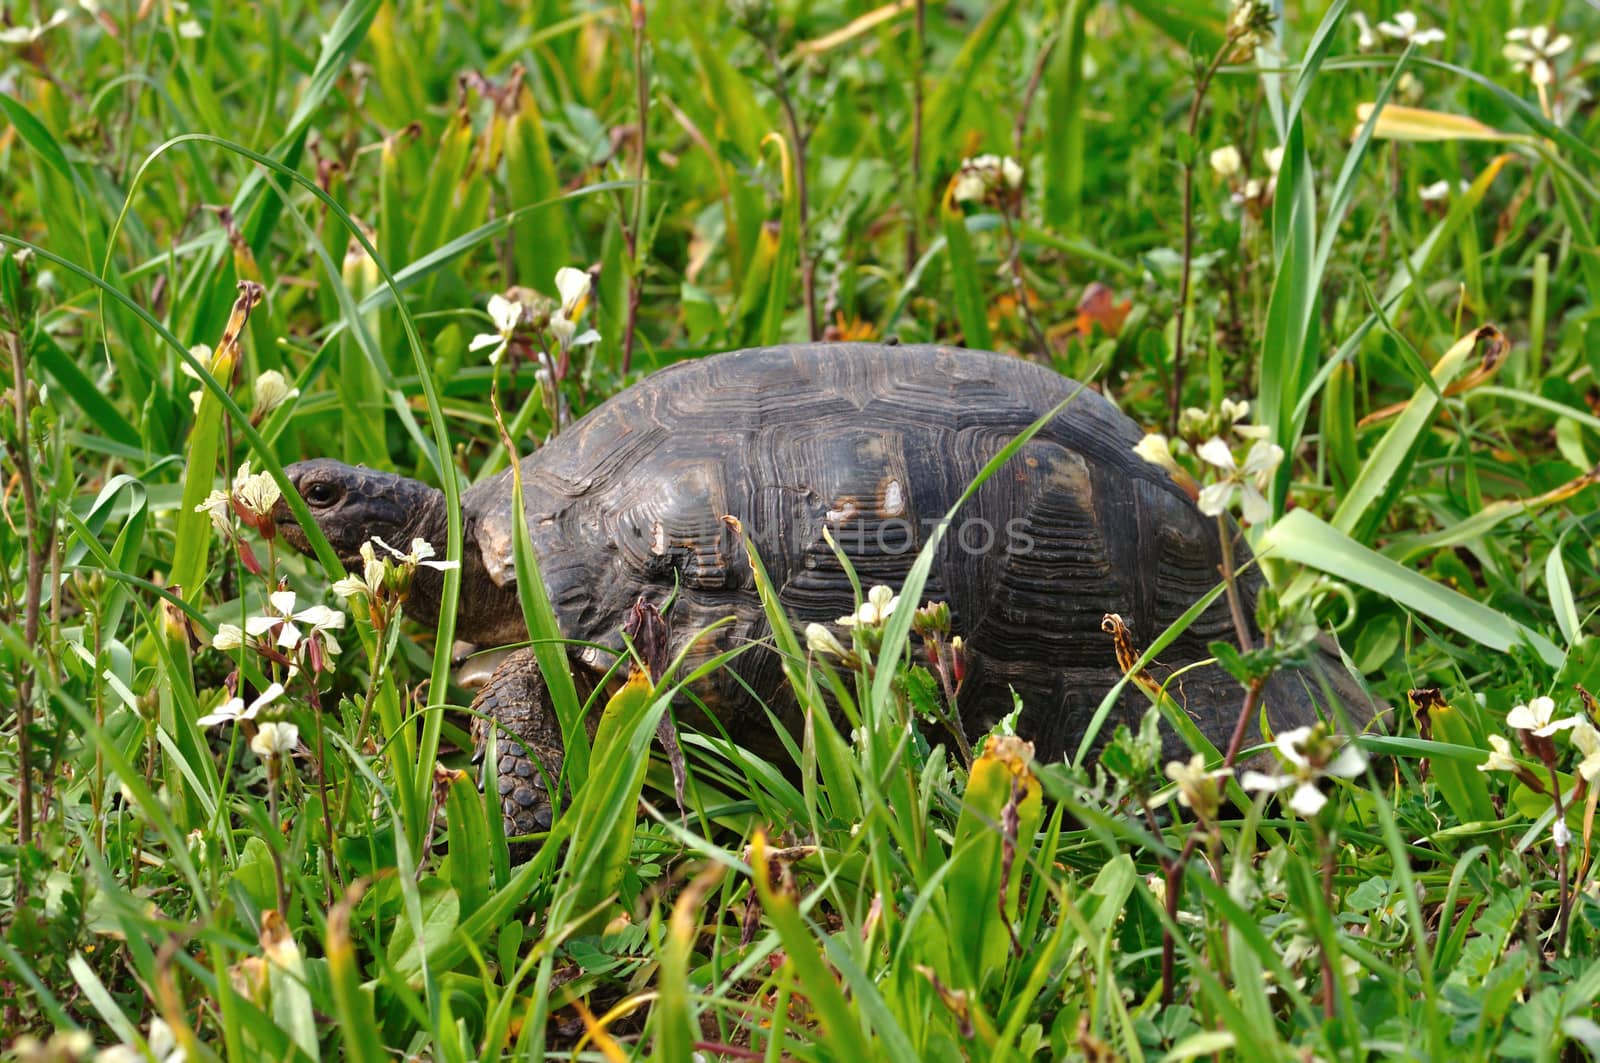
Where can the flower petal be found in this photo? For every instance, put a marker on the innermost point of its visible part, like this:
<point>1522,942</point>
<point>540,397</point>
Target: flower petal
<point>1215,452</point>
<point>1259,782</point>
<point>573,284</point>
<point>1307,800</point>
<point>1213,500</point>
<point>1350,762</point>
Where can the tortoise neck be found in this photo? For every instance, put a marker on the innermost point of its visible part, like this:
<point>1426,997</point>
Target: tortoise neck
<point>487,614</point>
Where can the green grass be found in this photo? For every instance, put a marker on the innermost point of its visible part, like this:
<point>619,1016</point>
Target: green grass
<point>380,170</point>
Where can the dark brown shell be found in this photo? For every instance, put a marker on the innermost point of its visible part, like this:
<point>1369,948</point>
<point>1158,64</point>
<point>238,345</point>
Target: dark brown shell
<point>873,443</point>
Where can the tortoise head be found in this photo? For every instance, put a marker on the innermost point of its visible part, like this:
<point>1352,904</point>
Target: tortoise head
<point>353,504</point>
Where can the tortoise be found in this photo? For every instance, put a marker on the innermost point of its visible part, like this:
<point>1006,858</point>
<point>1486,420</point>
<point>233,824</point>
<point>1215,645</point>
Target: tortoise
<point>872,443</point>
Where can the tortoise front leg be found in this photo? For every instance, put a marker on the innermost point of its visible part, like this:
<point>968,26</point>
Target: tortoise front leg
<point>517,702</point>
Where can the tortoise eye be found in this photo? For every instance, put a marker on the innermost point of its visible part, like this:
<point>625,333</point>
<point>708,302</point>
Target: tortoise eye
<point>322,494</point>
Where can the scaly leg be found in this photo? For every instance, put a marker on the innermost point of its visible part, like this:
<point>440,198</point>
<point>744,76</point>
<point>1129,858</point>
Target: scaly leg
<point>528,741</point>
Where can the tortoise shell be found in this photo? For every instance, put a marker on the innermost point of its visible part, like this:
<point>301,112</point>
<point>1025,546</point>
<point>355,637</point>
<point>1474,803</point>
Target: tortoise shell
<point>871,445</point>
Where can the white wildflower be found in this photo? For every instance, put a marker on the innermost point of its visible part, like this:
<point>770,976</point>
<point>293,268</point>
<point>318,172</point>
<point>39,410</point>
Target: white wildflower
<point>1226,160</point>
<point>1273,158</point>
<point>1404,27</point>
<point>234,709</point>
<point>164,1043</point>
<point>1197,786</point>
<point>271,391</point>
<point>370,582</point>
<point>881,602</point>
<point>1538,716</point>
<point>1263,458</point>
<point>1532,49</point>
<point>282,622</point>
<point>189,29</point>
<point>228,637</point>
<point>1500,758</point>
<point>1157,450</point>
<point>1587,739</point>
<point>506,315</point>
<point>1309,756</point>
<point>30,34</point>
<point>256,493</point>
<point>1366,39</point>
<point>200,352</point>
<point>984,177</point>
<point>573,284</point>
<point>421,551</point>
<point>219,507</point>
<point>824,643</point>
<point>275,740</point>
<point>1434,193</point>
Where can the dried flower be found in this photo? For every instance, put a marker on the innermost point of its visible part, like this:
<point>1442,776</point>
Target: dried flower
<point>995,179</point>
<point>254,495</point>
<point>271,391</point>
<point>1198,788</point>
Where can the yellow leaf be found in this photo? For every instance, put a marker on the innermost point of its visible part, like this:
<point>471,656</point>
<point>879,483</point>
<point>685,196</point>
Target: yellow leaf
<point>1420,125</point>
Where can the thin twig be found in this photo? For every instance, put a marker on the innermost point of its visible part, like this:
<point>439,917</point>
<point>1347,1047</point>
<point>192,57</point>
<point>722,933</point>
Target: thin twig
<point>914,213</point>
<point>30,609</point>
<point>798,138</point>
<point>1019,288</point>
<point>1176,399</point>
<point>635,275</point>
<point>1230,581</point>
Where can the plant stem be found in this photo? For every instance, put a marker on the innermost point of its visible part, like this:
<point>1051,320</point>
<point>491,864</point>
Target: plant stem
<point>1204,82</point>
<point>914,213</point>
<point>798,138</point>
<point>642,85</point>
<point>1563,910</point>
<point>1230,581</point>
<point>1323,843</point>
<point>1019,290</point>
<point>272,814</point>
<point>330,869</point>
<point>1252,695</point>
<point>30,608</point>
